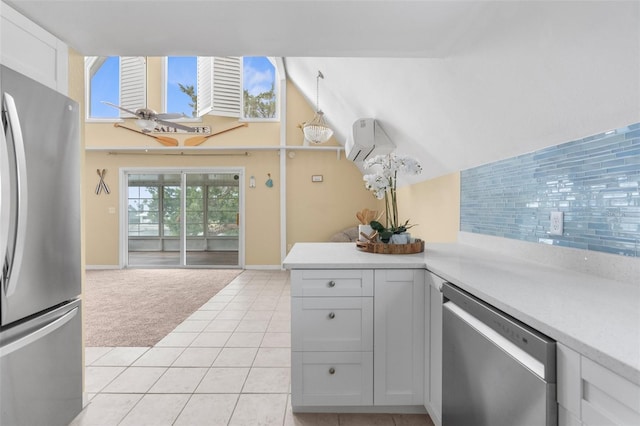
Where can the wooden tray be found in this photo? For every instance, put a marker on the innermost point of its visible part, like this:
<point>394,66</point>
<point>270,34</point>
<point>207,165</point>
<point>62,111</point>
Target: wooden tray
<point>411,248</point>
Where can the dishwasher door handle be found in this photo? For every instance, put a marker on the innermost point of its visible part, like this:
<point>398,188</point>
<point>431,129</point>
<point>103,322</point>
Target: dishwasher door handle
<point>508,347</point>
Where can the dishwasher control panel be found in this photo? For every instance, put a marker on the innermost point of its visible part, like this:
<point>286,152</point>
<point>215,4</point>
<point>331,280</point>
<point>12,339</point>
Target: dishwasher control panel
<point>526,338</point>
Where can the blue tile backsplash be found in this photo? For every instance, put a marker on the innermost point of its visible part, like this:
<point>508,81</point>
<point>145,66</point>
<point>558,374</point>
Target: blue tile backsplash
<point>595,181</point>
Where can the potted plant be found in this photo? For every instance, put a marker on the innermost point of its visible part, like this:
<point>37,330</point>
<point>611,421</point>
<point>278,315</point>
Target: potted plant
<point>383,183</point>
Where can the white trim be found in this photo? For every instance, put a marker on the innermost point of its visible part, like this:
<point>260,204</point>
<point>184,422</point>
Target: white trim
<point>196,149</point>
<point>282,99</point>
<point>101,267</point>
<point>263,267</point>
<point>124,217</point>
<point>163,78</point>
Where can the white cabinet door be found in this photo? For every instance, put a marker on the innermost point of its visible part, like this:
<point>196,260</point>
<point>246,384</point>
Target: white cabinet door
<point>32,51</point>
<point>569,385</point>
<point>398,353</point>
<point>434,402</point>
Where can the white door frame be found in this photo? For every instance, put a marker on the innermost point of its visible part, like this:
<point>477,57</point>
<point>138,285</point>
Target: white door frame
<point>124,204</point>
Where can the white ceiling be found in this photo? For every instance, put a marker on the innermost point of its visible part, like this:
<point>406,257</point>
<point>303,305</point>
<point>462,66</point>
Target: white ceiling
<point>382,28</point>
<point>454,83</point>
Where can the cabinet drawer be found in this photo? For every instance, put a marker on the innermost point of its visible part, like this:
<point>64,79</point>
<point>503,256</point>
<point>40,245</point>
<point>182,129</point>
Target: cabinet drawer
<point>608,398</point>
<point>331,378</point>
<point>331,283</point>
<point>331,323</point>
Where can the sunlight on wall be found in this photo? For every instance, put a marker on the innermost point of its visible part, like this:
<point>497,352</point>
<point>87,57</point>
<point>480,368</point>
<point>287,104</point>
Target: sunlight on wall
<point>434,206</point>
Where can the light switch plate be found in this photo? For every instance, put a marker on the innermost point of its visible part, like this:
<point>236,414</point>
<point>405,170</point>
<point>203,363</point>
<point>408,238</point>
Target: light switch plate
<point>557,225</point>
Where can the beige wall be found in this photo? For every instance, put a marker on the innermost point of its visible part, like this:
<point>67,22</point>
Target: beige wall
<point>262,204</point>
<point>315,211</point>
<point>434,206</point>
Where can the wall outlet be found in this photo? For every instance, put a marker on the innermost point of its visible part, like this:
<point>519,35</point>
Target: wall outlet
<point>557,226</point>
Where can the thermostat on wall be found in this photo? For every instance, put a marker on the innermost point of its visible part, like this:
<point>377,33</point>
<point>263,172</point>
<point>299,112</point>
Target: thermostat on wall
<point>316,178</point>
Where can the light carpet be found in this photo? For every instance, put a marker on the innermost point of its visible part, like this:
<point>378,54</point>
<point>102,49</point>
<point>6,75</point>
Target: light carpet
<point>138,307</point>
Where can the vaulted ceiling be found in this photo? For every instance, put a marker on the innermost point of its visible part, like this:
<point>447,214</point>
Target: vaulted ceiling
<point>454,83</point>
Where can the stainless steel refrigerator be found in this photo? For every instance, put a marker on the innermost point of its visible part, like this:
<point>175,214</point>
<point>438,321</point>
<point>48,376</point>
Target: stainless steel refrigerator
<point>40,328</point>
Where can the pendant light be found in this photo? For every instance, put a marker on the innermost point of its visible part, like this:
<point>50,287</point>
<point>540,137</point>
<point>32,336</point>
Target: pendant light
<point>317,131</point>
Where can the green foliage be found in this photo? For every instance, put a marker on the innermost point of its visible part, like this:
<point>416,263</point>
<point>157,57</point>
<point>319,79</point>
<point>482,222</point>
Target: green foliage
<point>222,206</point>
<point>191,92</point>
<point>376,226</point>
<point>262,105</point>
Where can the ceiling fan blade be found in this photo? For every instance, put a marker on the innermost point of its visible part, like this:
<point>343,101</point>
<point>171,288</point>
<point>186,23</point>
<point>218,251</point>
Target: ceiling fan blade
<point>170,116</point>
<point>176,125</point>
<point>119,107</point>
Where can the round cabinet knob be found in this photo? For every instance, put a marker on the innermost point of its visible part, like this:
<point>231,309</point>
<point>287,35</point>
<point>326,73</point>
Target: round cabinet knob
<point>332,284</point>
<point>332,370</point>
<point>332,315</point>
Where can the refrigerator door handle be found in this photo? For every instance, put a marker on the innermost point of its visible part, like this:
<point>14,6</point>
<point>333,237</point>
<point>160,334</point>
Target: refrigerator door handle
<point>5,205</point>
<point>38,334</point>
<point>21,170</point>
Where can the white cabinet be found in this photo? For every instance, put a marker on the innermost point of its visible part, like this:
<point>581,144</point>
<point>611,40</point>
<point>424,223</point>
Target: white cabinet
<point>433,347</point>
<point>398,353</point>
<point>590,395</point>
<point>357,339</point>
<point>32,51</point>
<point>331,338</point>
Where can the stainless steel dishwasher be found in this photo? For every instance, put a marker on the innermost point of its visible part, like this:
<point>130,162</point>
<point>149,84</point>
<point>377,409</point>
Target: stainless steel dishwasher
<point>496,370</point>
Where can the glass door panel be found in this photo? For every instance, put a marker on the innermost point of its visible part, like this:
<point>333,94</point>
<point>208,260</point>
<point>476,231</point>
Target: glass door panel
<point>212,212</point>
<point>154,232</point>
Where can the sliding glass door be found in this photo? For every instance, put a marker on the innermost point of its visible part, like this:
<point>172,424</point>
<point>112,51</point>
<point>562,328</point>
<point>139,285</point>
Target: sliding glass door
<point>213,218</point>
<point>186,219</point>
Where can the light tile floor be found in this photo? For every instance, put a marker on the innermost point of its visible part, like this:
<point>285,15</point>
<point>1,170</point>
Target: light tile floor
<point>227,364</point>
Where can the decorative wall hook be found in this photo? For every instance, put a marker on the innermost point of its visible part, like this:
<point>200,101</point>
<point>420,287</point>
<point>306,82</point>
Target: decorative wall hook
<point>269,181</point>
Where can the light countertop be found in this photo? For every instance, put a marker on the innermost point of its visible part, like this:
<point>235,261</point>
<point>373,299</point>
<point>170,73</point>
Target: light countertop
<point>594,316</point>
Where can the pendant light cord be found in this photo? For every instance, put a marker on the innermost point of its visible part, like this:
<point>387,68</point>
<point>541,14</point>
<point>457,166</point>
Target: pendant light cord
<point>320,76</point>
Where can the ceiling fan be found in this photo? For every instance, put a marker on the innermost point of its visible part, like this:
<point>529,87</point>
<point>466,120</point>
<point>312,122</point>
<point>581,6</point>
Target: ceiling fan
<point>148,118</point>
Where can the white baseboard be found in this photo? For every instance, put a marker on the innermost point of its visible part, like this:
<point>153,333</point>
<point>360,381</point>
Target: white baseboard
<point>264,267</point>
<point>101,267</point>
<point>248,267</point>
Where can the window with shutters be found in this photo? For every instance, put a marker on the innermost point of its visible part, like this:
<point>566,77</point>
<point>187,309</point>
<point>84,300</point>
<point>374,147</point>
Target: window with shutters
<point>241,87</point>
<point>118,80</point>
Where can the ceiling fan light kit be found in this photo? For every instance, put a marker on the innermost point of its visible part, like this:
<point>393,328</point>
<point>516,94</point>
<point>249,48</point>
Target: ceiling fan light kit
<point>317,131</point>
<point>146,125</point>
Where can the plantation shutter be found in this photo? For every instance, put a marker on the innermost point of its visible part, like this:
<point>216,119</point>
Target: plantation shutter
<point>204,101</point>
<point>133,82</point>
<point>220,86</point>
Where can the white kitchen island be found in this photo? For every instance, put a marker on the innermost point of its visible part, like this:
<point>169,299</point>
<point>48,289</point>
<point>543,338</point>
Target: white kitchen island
<point>595,321</point>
